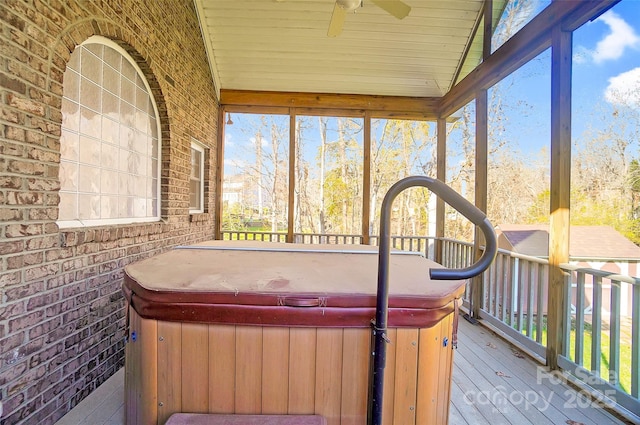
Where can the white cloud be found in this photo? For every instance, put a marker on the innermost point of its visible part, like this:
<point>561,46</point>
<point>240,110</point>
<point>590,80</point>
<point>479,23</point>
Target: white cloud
<point>622,36</point>
<point>624,89</point>
<point>227,139</point>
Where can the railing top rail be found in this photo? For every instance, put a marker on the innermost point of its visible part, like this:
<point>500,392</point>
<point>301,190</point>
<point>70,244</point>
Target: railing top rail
<point>523,256</point>
<point>258,232</point>
<point>455,241</point>
<point>600,273</point>
<point>347,235</point>
<point>501,251</point>
<point>603,259</point>
<point>565,266</point>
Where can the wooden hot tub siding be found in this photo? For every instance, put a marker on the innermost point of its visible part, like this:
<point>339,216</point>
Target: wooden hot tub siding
<point>198,368</point>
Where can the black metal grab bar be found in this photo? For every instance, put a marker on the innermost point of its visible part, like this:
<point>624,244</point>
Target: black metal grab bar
<point>471,212</point>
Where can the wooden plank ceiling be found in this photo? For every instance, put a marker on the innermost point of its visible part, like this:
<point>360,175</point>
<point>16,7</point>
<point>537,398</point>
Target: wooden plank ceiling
<point>269,45</point>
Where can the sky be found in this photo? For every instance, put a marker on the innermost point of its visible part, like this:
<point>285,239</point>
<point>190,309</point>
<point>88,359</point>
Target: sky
<point>606,64</point>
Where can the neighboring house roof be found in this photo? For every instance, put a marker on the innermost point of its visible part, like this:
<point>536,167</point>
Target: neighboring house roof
<point>593,242</point>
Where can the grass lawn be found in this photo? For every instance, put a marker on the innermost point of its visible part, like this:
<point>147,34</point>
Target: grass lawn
<point>623,375</point>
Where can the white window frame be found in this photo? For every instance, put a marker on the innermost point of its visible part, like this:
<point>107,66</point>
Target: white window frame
<point>197,146</point>
<point>96,39</point>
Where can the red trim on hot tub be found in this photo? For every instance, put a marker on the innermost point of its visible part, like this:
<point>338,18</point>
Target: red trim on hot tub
<point>270,309</point>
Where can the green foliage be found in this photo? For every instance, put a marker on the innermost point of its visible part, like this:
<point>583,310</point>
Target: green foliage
<point>613,211</point>
<point>586,211</point>
<point>232,217</point>
<point>539,211</point>
<point>338,196</point>
<point>634,176</point>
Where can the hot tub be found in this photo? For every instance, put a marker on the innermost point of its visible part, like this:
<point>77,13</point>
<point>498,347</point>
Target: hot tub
<point>267,328</point>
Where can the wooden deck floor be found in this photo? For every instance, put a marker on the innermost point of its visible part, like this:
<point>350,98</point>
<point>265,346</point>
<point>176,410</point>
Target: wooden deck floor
<point>492,384</point>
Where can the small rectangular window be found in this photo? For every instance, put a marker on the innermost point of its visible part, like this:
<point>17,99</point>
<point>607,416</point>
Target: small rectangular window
<point>196,178</point>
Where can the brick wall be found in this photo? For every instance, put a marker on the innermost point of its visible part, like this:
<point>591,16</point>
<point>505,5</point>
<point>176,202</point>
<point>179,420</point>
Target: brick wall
<point>61,310</point>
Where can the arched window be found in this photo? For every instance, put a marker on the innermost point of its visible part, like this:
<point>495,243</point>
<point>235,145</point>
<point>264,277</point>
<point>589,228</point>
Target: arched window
<point>110,141</point>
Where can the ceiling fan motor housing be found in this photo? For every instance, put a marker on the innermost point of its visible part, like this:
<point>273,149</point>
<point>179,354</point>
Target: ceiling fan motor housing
<point>349,5</point>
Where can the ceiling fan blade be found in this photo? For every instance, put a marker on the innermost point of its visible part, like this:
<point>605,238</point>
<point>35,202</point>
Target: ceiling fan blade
<point>396,8</point>
<point>337,21</point>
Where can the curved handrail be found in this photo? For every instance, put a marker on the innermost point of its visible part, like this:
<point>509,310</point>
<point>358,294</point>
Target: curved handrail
<point>459,203</point>
<point>470,211</point>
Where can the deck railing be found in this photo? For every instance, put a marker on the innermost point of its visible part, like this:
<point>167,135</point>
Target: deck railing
<point>243,235</point>
<point>422,244</point>
<point>515,297</point>
<point>317,238</point>
<point>602,342</point>
<point>514,293</point>
<point>602,333</point>
<point>425,245</point>
<point>456,254</point>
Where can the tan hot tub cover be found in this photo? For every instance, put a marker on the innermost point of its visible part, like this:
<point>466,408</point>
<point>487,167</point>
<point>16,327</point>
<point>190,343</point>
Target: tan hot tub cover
<point>275,284</point>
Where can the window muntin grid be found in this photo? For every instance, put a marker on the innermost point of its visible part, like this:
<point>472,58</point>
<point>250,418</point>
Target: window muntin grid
<point>110,145</point>
<point>196,179</point>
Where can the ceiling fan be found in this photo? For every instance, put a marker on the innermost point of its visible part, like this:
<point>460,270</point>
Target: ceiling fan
<point>396,8</point>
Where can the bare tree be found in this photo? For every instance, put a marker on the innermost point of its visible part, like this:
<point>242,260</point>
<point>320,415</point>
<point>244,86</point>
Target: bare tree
<point>262,166</point>
<point>399,149</point>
